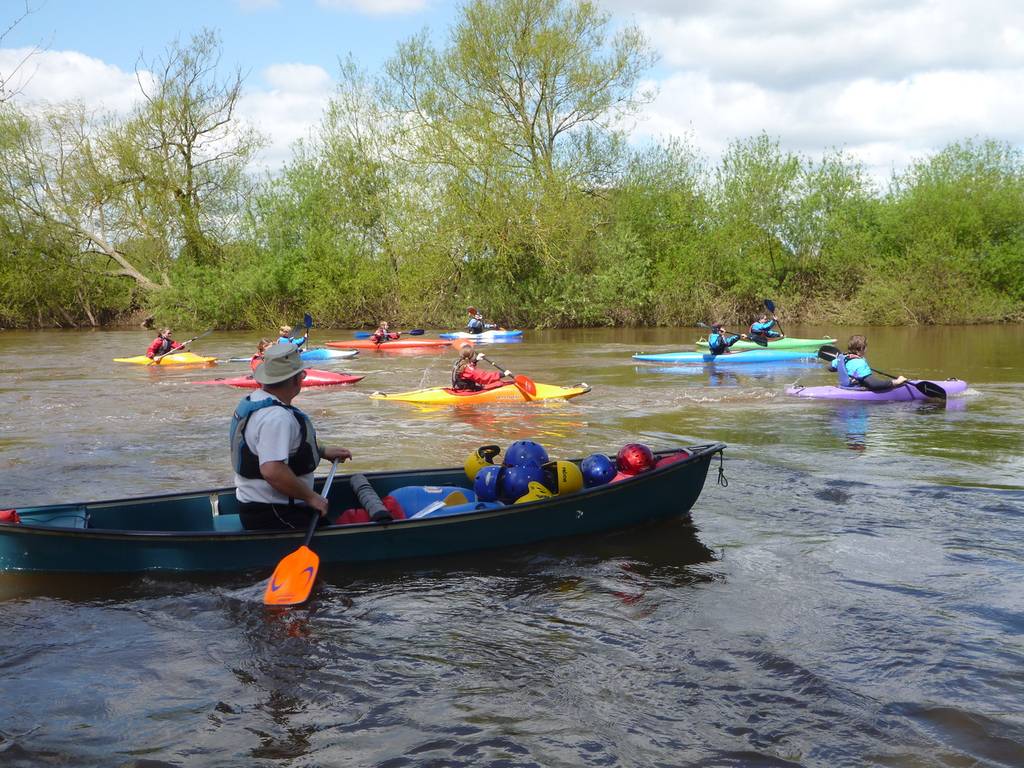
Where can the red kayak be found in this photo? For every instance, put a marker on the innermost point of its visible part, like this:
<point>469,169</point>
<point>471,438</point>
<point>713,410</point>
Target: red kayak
<point>314,378</point>
<point>394,344</point>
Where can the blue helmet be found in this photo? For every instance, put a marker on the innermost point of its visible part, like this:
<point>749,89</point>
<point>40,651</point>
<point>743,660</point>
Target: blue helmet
<point>597,469</point>
<point>522,451</point>
<point>515,481</point>
<point>486,483</point>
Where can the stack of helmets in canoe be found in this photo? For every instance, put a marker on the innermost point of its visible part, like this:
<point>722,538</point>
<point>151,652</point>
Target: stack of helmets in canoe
<point>526,473</point>
<point>631,460</point>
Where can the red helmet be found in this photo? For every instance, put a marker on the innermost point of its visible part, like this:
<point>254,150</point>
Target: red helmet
<point>634,458</point>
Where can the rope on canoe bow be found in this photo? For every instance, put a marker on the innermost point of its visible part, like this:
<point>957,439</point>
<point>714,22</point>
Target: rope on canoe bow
<point>722,479</point>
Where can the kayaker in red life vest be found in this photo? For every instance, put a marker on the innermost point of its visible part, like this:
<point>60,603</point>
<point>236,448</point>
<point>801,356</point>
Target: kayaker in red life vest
<point>260,349</point>
<point>162,344</point>
<point>468,378</point>
<point>382,334</point>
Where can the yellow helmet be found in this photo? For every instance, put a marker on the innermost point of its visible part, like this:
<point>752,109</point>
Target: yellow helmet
<point>535,492</point>
<point>479,459</point>
<point>563,477</point>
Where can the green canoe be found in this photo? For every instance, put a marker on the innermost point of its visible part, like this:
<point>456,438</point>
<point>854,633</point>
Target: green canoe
<point>785,342</point>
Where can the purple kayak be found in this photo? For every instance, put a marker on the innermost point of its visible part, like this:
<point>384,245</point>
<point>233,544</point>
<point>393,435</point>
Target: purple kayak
<point>904,393</point>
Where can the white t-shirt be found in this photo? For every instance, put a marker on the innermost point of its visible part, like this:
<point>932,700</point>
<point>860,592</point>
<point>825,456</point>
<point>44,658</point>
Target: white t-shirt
<point>272,434</point>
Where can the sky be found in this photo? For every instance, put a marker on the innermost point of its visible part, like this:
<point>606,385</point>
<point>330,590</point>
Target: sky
<point>886,81</point>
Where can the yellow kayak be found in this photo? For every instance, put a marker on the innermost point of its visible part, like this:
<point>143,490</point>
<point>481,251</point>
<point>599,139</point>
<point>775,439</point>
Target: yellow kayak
<point>509,393</point>
<point>178,358</point>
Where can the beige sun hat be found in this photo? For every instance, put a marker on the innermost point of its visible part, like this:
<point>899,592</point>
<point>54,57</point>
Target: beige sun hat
<point>280,363</point>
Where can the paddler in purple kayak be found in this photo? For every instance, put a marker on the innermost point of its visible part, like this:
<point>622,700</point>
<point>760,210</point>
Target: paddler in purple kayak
<point>853,369</point>
<point>719,340</point>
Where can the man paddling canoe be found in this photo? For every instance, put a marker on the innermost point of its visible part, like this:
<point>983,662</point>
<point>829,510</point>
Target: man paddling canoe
<point>274,450</point>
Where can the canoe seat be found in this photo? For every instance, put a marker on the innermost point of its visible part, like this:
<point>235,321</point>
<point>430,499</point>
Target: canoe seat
<point>227,523</point>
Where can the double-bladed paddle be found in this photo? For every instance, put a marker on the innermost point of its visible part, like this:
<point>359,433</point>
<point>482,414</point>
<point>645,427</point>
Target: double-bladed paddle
<point>761,341</point>
<point>525,384</point>
<point>158,358</point>
<point>926,388</point>
<point>368,334</point>
<point>293,578</point>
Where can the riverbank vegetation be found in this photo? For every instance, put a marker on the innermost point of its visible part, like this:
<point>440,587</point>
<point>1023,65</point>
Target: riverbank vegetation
<point>494,170</point>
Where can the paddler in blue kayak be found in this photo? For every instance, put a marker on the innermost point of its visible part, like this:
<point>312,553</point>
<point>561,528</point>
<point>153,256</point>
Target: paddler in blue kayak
<point>287,338</point>
<point>853,369</point>
<point>719,340</point>
<point>766,327</point>
<point>476,322</point>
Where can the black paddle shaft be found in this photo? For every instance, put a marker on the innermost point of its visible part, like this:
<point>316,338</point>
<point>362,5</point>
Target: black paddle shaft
<point>926,388</point>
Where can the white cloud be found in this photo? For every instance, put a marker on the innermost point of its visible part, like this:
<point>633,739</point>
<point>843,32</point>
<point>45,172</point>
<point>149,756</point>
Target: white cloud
<point>887,80</point>
<point>375,7</point>
<point>56,76</point>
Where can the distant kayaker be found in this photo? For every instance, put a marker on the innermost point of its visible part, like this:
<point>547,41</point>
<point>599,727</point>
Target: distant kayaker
<point>767,327</point>
<point>162,344</point>
<point>260,349</point>
<point>286,337</point>
<point>853,369</point>
<point>468,378</point>
<point>720,340</point>
<point>382,334</point>
<point>476,322</point>
<point>274,450</point>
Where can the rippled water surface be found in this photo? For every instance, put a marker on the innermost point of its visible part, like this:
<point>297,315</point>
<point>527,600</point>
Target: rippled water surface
<point>855,596</point>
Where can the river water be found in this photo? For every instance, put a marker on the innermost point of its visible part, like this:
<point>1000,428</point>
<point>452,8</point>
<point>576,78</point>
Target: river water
<point>854,596</point>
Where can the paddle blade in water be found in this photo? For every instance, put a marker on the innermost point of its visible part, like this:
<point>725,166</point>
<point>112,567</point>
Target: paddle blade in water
<point>293,578</point>
<point>526,385</point>
<point>930,389</point>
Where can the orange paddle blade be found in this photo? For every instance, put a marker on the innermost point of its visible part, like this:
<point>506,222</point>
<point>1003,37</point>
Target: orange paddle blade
<point>293,578</point>
<point>526,385</point>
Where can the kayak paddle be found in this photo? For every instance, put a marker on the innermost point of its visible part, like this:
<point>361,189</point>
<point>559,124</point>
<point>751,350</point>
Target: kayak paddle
<point>926,388</point>
<point>184,344</point>
<point>307,321</point>
<point>770,306</point>
<point>525,384</point>
<point>368,334</point>
<point>761,341</point>
<point>293,578</point>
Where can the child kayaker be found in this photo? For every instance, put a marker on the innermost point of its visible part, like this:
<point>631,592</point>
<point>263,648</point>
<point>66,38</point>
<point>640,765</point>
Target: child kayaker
<point>719,340</point>
<point>260,349</point>
<point>382,334</point>
<point>286,337</point>
<point>162,344</point>
<point>468,378</point>
<point>853,369</point>
<point>766,327</point>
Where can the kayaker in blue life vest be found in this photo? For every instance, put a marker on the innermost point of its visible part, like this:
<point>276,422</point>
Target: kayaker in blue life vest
<point>853,369</point>
<point>766,327</point>
<point>287,338</point>
<point>476,322</point>
<point>274,449</point>
<point>719,340</point>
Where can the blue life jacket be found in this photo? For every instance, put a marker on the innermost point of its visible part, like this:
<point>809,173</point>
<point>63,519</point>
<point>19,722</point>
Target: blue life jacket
<point>298,342</point>
<point>719,343</point>
<point>764,329</point>
<point>475,324</point>
<point>851,370</point>
<point>247,464</point>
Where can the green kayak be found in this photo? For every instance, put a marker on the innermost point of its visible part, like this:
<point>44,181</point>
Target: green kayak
<point>786,342</point>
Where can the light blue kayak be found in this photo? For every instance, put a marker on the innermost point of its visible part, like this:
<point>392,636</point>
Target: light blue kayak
<point>729,358</point>
<point>322,354</point>
<point>484,336</point>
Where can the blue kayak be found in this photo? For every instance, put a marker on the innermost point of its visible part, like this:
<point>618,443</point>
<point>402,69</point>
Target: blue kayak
<point>482,336</point>
<point>320,355</point>
<point>730,358</point>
